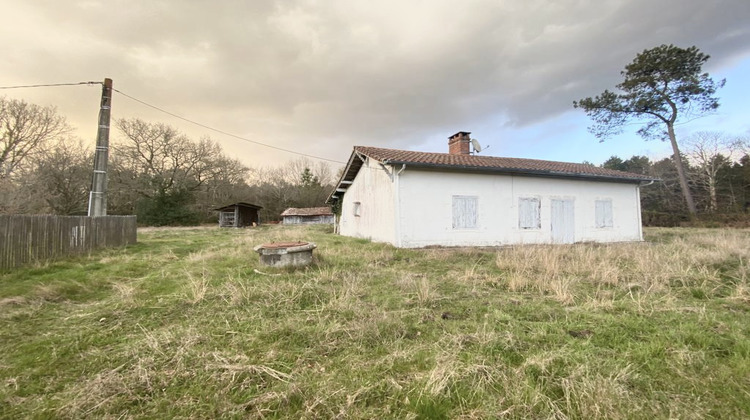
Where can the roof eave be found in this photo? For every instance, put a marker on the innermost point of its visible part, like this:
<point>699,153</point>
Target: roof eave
<point>344,174</point>
<point>242,204</point>
<point>530,172</point>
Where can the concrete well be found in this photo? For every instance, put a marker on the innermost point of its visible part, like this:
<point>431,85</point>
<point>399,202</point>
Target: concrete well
<point>284,254</point>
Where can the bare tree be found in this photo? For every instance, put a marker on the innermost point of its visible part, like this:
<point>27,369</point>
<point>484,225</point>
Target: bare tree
<point>710,152</point>
<point>743,145</point>
<point>169,173</point>
<point>298,183</point>
<point>64,176</point>
<point>24,130</point>
<point>166,160</point>
<point>274,190</point>
<point>227,185</point>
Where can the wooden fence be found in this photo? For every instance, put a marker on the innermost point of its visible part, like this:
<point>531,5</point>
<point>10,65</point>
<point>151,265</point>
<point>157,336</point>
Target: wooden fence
<point>29,238</point>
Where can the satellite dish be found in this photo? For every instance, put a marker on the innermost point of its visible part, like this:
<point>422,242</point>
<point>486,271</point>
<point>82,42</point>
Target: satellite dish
<point>477,146</point>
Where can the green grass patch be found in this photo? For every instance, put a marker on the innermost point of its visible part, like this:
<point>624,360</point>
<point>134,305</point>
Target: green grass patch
<point>187,324</point>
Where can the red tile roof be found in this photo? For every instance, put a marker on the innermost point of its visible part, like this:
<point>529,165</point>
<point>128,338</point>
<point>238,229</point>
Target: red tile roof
<point>309,211</point>
<point>496,164</point>
<point>481,164</point>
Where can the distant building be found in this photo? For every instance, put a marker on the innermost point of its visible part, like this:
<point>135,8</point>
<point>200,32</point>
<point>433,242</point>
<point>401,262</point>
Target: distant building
<point>416,199</point>
<point>308,216</point>
<point>239,215</point>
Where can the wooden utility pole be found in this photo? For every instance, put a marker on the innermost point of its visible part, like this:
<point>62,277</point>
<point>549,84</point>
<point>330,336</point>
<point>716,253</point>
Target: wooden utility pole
<point>98,195</point>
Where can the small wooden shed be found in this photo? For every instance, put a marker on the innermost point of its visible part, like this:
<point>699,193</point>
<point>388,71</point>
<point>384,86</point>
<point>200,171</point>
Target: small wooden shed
<point>308,216</point>
<point>239,215</point>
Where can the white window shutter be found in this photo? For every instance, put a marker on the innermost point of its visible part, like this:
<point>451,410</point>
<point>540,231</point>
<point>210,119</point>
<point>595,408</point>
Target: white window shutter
<point>529,209</point>
<point>603,213</point>
<point>465,212</point>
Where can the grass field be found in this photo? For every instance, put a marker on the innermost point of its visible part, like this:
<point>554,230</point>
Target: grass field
<point>182,325</point>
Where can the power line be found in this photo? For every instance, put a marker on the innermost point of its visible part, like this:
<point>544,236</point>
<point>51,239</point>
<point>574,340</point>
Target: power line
<point>224,132</point>
<point>176,116</point>
<point>50,85</point>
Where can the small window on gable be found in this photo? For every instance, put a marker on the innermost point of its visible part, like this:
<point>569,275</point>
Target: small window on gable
<point>356,208</point>
<point>465,212</point>
<point>603,213</point>
<point>529,211</point>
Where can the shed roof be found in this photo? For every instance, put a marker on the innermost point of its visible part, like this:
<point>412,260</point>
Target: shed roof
<point>238,204</point>
<point>308,211</point>
<point>486,164</point>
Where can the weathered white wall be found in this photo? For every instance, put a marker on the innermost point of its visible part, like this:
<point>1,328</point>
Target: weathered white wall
<point>308,220</point>
<point>374,189</point>
<point>425,213</point>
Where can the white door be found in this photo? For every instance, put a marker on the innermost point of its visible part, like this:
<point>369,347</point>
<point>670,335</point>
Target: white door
<point>563,221</point>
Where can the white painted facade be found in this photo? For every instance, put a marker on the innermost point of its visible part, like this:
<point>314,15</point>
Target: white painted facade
<point>323,219</point>
<point>369,207</point>
<point>414,207</point>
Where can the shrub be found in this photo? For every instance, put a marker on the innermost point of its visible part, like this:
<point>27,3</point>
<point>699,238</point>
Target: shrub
<point>168,209</point>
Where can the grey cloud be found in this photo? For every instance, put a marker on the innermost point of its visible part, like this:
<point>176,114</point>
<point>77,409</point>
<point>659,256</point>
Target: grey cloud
<point>315,75</point>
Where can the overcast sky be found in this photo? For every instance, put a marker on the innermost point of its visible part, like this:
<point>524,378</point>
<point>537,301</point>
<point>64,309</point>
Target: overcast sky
<point>319,77</point>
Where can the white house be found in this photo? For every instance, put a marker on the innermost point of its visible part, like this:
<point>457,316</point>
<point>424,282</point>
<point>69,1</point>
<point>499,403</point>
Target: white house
<point>416,199</point>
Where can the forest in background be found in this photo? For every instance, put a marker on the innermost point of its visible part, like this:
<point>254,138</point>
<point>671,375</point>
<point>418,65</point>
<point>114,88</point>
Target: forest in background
<point>718,169</point>
<point>155,172</point>
<point>166,178</point>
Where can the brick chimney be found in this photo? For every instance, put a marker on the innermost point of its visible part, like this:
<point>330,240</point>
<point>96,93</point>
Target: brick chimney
<point>458,144</point>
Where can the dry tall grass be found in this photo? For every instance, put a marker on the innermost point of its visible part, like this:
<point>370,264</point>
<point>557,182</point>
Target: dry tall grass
<point>638,268</point>
<point>190,325</point>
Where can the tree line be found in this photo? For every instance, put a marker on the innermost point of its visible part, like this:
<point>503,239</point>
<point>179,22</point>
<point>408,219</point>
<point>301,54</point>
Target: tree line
<point>155,172</point>
<point>717,169</point>
<point>166,178</point>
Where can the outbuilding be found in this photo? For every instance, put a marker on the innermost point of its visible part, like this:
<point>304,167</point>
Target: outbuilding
<point>417,199</point>
<point>308,216</point>
<point>239,215</point>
